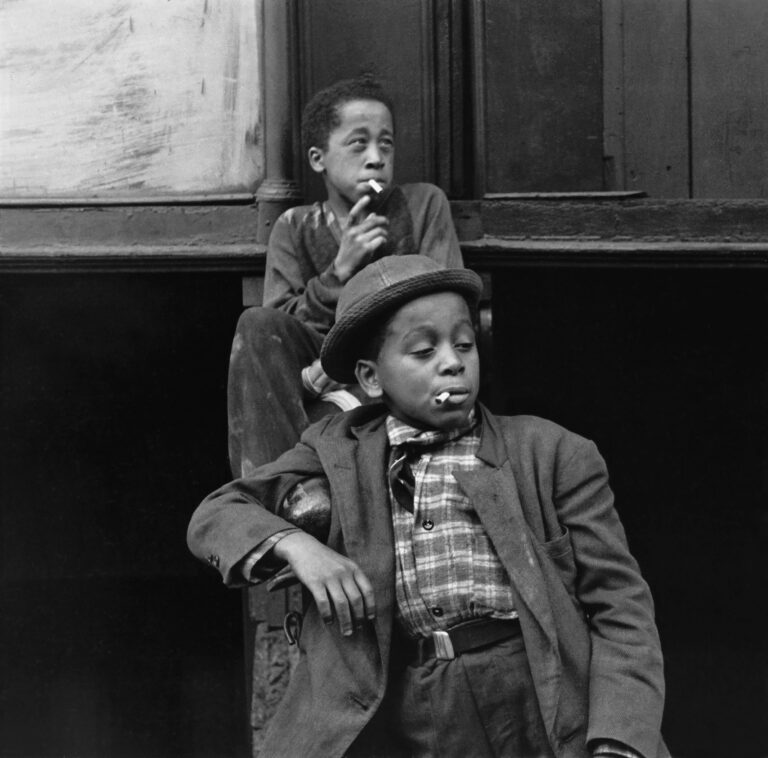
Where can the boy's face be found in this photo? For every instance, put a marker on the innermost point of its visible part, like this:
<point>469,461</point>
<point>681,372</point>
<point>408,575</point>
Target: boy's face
<point>360,148</point>
<point>429,349</point>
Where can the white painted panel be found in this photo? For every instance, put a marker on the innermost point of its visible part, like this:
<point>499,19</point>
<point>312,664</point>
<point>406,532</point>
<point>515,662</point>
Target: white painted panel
<point>122,97</point>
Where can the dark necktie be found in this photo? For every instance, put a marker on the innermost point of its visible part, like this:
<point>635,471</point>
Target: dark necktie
<point>401,476</point>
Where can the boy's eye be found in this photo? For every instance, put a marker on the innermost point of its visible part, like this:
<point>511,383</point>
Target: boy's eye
<point>465,345</point>
<point>422,352</point>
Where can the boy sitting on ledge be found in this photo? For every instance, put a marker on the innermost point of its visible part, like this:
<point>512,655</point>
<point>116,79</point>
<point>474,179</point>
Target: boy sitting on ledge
<point>472,593</point>
<point>348,131</point>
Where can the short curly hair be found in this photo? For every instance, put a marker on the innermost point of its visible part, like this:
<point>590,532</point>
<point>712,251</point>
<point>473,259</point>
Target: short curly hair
<point>321,114</point>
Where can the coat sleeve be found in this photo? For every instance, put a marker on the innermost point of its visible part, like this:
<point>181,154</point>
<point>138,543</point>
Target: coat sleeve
<point>626,682</point>
<point>433,225</point>
<point>291,283</point>
<point>239,516</point>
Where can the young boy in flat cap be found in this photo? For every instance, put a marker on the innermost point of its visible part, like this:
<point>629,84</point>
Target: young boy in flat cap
<point>348,131</point>
<point>471,593</point>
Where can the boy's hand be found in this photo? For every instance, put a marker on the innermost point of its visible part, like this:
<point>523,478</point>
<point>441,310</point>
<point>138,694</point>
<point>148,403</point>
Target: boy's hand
<point>336,583</point>
<point>360,239</point>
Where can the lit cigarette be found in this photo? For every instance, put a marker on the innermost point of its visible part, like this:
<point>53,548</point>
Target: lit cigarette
<point>442,397</point>
<point>375,186</point>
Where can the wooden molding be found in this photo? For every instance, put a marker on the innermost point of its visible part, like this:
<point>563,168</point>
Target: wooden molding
<point>62,259</point>
<point>493,233</point>
<point>477,32</point>
<point>136,238</point>
<point>497,253</point>
<point>671,220</point>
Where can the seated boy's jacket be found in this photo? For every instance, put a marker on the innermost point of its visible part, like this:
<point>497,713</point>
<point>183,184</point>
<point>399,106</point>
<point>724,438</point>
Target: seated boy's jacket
<point>543,496</point>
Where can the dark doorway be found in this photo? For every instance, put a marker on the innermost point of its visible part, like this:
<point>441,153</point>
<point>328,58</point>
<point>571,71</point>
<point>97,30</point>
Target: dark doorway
<point>114,641</point>
<point>668,372</point>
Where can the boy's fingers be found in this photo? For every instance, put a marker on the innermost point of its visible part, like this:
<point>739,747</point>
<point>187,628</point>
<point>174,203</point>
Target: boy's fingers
<point>367,592</point>
<point>372,222</point>
<point>323,604</point>
<point>366,237</point>
<point>372,239</point>
<point>341,606</point>
<point>380,236</point>
<point>357,209</point>
<point>356,599</point>
<point>375,242</point>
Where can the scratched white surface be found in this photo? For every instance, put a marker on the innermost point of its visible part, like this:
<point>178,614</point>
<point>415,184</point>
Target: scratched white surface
<point>121,97</point>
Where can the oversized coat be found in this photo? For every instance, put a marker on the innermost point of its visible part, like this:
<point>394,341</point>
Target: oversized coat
<point>543,496</point>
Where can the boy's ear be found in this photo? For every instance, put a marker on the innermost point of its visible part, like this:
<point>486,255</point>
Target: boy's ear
<point>316,159</point>
<point>368,377</point>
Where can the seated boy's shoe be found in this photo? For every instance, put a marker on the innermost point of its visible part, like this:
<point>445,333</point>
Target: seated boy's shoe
<point>613,749</point>
<point>342,399</point>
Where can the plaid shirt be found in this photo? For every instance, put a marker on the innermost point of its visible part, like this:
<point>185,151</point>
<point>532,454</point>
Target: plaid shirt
<point>447,570</point>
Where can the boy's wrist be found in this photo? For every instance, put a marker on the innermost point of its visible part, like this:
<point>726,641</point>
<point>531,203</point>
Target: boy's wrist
<point>342,275</point>
<point>286,548</point>
<point>261,562</point>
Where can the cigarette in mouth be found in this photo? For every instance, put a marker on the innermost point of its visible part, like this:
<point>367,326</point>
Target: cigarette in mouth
<point>442,397</point>
<point>375,186</point>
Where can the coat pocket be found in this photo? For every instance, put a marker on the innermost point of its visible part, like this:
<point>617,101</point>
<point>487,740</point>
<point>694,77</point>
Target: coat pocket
<point>560,552</point>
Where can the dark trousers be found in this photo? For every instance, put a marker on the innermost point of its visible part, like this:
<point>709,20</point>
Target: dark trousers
<point>479,705</point>
<point>266,399</point>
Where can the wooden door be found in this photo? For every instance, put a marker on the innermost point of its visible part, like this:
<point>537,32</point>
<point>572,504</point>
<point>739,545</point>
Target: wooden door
<point>686,97</point>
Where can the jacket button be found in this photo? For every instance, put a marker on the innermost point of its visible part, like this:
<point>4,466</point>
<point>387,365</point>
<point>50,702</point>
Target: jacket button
<point>436,611</point>
<point>213,560</point>
<point>428,524</point>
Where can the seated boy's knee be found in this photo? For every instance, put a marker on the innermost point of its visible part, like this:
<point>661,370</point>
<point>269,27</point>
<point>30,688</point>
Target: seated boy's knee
<point>260,317</point>
<point>259,325</point>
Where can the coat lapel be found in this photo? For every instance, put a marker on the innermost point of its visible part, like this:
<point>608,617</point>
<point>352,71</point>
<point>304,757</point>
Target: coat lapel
<point>356,472</point>
<point>494,497</point>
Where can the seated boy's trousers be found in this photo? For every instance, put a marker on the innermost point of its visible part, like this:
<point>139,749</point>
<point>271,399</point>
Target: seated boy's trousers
<point>481,704</point>
<point>265,394</point>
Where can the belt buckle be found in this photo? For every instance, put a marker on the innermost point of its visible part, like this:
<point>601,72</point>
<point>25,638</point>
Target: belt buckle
<point>443,646</point>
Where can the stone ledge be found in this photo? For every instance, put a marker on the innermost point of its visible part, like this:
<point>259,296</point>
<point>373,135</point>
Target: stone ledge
<point>493,233</point>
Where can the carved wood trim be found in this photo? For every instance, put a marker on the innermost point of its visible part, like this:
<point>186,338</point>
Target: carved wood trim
<point>478,82</point>
<point>494,234</point>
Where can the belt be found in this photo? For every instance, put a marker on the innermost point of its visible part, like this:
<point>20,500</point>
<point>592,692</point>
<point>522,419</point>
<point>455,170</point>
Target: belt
<point>469,635</point>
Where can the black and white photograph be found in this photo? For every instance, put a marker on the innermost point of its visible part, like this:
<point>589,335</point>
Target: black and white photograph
<point>383,378</point>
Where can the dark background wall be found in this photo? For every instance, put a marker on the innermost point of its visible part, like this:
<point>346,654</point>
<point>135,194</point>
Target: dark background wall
<point>666,371</point>
<point>114,641</point>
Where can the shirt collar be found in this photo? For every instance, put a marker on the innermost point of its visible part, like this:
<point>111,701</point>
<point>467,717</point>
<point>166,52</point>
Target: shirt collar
<point>400,433</point>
